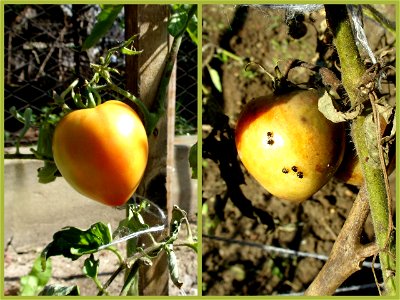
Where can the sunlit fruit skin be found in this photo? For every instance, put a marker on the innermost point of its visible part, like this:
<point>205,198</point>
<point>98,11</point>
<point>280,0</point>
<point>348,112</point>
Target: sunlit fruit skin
<point>350,171</point>
<point>102,152</point>
<point>287,145</point>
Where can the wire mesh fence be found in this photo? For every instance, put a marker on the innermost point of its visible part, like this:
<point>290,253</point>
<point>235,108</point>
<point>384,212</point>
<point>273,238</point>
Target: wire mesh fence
<point>41,56</point>
<point>186,88</point>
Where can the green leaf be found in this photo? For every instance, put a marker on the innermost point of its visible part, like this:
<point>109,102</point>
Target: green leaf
<point>35,281</point>
<point>104,22</point>
<point>128,51</point>
<point>178,216</point>
<point>91,267</point>
<point>47,173</point>
<point>216,80</point>
<point>193,160</point>
<point>173,266</point>
<point>57,290</point>
<point>44,146</point>
<point>192,29</point>
<point>72,242</point>
<point>134,222</point>
<point>27,117</point>
<point>179,21</point>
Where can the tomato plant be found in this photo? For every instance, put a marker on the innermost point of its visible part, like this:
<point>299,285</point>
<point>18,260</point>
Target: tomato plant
<point>102,152</point>
<point>288,145</point>
<point>101,149</point>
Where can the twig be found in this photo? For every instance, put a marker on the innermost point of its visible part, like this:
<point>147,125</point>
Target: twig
<point>44,63</point>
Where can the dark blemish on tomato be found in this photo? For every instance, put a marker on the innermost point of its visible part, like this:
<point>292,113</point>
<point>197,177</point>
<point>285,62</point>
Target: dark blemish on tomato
<point>270,139</point>
<point>285,171</point>
<point>319,168</point>
<point>294,168</point>
<point>300,174</point>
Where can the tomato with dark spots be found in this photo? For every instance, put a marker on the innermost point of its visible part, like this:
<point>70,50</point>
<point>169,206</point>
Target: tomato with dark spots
<point>305,141</point>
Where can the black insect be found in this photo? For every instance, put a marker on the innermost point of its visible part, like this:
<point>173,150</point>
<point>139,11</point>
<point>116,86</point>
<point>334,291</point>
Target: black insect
<point>270,142</point>
<point>300,174</point>
<point>285,171</point>
<point>270,134</point>
<point>294,168</point>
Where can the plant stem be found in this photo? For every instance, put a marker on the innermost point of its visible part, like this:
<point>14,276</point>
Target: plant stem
<point>353,70</point>
<point>350,61</point>
<point>374,14</point>
<point>111,279</point>
<point>117,253</point>
<point>131,249</point>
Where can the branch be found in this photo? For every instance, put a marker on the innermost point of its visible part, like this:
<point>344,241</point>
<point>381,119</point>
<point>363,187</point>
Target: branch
<point>347,254</point>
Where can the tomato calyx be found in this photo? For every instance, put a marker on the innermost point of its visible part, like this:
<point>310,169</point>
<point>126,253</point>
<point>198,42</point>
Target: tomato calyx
<point>86,94</point>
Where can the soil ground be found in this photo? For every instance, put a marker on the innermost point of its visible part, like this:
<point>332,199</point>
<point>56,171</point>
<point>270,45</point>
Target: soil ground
<point>231,267</point>
<point>68,273</point>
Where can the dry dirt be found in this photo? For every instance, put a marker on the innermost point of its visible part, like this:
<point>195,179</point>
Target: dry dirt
<point>68,273</point>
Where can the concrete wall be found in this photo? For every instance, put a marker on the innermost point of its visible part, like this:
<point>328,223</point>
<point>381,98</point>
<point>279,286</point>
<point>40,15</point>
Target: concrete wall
<point>34,212</point>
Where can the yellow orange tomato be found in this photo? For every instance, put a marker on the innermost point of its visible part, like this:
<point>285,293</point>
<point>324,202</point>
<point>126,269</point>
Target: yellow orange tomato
<point>102,152</point>
<point>287,144</point>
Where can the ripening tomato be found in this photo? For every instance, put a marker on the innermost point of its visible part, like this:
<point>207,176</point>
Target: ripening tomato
<point>102,152</point>
<point>350,171</point>
<point>288,145</point>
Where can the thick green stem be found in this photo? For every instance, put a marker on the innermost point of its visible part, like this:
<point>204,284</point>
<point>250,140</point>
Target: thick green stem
<point>350,61</point>
<point>353,70</point>
<point>131,248</point>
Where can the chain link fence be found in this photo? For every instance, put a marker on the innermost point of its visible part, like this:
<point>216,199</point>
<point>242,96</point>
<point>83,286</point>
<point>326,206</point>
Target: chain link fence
<point>41,56</point>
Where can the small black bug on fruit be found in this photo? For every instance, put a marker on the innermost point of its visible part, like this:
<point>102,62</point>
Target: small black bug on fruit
<point>300,174</point>
<point>285,171</point>
<point>270,142</point>
<point>294,168</point>
<point>269,134</point>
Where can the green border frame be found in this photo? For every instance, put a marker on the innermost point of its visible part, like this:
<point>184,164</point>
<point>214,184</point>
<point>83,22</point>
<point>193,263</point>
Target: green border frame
<point>199,122</point>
